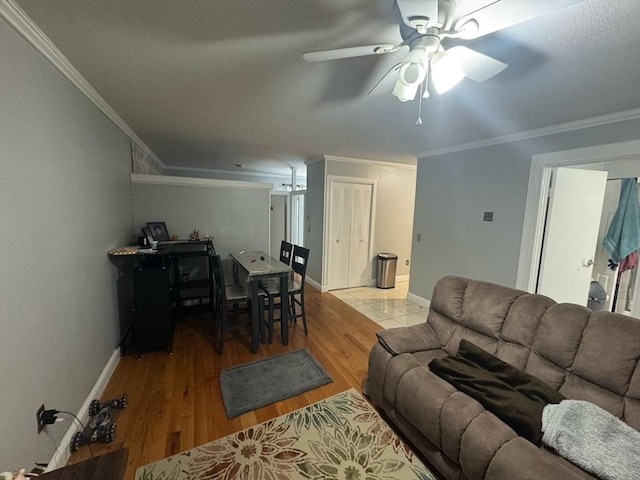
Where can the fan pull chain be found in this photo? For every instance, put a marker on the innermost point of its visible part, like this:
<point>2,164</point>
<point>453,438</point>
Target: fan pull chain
<point>419,120</point>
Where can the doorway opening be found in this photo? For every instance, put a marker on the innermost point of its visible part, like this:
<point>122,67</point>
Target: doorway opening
<point>542,167</point>
<point>349,236</point>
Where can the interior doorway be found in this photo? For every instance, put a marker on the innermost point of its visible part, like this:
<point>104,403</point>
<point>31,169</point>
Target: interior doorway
<point>278,224</point>
<point>350,205</point>
<point>617,286</point>
<point>606,157</point>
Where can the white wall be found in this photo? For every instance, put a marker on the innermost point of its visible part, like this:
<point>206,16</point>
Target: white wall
<point>65,200</point>
<point>453,191</point>
<point>237,216</point>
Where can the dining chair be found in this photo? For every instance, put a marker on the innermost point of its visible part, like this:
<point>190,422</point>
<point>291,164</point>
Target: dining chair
<point>299,259</point>
<point>285,252</point>
<point>228,298</point>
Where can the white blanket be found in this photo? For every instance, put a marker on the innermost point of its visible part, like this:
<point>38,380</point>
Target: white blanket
<point>593,439</point>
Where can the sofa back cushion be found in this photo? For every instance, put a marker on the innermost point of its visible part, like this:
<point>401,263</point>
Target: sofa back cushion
<point>586,355</point>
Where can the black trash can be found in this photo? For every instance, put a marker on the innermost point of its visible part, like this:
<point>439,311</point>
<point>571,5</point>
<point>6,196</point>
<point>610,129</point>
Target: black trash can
<point>386,270</point>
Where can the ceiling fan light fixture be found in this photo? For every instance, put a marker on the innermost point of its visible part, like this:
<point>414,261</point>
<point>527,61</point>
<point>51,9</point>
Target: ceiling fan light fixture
<point>446,72</point>
<point>410,77</point>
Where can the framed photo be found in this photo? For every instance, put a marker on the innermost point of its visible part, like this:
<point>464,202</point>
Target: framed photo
<point>158,231</point>
<point>147,233</point>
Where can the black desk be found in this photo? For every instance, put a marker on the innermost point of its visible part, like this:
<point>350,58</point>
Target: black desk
<point>151,291</point>
<point>105,467</point>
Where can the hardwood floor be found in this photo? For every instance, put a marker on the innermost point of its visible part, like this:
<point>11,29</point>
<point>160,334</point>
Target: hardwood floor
<point>174,401</point>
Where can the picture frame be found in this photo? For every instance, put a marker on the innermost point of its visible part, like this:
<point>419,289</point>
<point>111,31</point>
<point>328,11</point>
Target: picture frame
<point>158,231</point>
<point>146,231</point>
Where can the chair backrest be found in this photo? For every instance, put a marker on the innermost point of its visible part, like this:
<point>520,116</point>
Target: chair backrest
<point>299,260</point>
<point>285,252</point>
<point>218,276</point>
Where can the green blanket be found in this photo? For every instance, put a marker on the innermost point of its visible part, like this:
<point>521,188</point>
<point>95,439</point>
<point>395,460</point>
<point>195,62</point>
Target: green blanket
<point>513,396</point>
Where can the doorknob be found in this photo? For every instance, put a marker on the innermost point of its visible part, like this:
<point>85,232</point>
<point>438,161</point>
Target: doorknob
<point>588,263</point>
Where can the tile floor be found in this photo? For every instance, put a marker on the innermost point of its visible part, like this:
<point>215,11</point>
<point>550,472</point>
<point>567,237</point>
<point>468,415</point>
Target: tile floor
<point>389,308</point>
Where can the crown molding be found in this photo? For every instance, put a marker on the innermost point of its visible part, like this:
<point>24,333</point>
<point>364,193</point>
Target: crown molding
<point>196,182</point>
<point>336,158</point>
<point>632,114</point>
<point>11,12</point>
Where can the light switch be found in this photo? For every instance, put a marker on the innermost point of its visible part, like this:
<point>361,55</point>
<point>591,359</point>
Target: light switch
<point>418,237</point>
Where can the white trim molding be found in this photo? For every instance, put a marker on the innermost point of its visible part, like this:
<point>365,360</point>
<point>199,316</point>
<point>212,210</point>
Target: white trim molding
<point>334,158</point>
<point>197,182</point>
<point>61,455</point>
<point>250,173</point>
<point>27,29</point>
<point>423,302</point>
<point>539,132</point>
<point>316,285</point>
<point>539,180</point>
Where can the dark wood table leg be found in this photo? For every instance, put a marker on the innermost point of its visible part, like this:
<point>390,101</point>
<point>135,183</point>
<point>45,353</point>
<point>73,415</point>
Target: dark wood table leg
<point>284,303</point>
<point>256,321</point>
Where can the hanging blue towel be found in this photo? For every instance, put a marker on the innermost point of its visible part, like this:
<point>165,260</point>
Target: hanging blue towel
<point>623,236</point>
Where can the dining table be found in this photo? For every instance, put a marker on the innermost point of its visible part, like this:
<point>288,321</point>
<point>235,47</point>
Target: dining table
<point>255,267</point>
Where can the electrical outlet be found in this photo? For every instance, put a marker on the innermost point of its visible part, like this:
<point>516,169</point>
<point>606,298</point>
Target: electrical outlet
<point>39,413</point>
<point>407,262</point>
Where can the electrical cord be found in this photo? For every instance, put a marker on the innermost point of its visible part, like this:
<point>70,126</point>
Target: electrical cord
<point>84,429</point>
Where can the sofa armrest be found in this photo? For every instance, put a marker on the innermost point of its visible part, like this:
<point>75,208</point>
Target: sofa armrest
<point>411,339</point>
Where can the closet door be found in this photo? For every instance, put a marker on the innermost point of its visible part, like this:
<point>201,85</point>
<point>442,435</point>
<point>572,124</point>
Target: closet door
<point>339,235</point>
<point>359,268</point>
<point>349,225</point>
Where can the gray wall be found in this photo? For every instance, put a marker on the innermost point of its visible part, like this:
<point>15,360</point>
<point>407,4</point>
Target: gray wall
<point>237,218</point>
<point>65,200</point>
<point>394,206</point>
<point>314,218</point>
<point>454,190</point>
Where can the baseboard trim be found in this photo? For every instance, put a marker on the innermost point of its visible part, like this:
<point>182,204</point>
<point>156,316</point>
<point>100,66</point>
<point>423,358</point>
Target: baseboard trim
<point>316,285</point>
<point>61,456</point>
<point>419,300</point>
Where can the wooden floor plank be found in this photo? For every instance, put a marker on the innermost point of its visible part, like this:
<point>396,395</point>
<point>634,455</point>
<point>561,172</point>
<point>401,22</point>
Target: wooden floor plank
<point>174,401</point>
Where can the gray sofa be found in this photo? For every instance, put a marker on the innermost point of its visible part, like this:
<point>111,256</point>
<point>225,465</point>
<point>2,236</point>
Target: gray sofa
<point>585,355</point>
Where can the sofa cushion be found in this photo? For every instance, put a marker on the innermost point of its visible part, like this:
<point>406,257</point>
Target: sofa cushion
<point>408,339</point>
<point>611,363</point>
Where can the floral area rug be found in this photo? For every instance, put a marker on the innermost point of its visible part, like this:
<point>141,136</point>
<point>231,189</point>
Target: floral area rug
<point>341,437</point>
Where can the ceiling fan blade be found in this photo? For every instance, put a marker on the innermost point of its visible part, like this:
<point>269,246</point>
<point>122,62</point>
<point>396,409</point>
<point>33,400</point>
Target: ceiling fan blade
<point>386,83</point>
<point>475,65</point>
<point>350,52</point>
<point>505,13</point>
<point>413,9</point>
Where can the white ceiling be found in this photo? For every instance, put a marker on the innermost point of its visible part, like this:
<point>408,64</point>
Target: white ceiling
<point>210,83</point>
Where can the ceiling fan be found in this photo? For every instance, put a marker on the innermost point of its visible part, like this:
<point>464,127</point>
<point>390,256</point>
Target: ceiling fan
<point>424,24</point>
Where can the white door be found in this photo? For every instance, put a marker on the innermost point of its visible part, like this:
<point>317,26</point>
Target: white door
<point>349,229</point>
<point>359,268</point>
<point>571,234</point>
<point>339,235</point>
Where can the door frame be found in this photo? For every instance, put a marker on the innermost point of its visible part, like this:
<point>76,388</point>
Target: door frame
<point>287,225</point>
<point>327,209</point>
<point>539,181</point>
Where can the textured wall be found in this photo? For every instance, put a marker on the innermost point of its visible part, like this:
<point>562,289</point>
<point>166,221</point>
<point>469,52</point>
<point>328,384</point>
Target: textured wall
<point>65,200</point>
<point>454,190</point>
